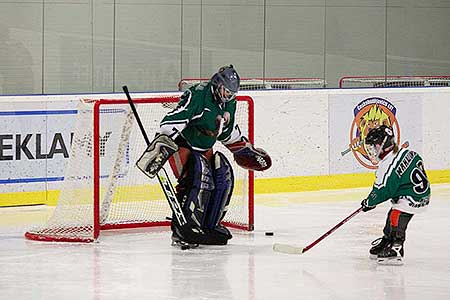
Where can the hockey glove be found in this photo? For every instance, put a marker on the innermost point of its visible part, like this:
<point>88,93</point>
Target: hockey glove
<point>365,206</point>
<point>249,157</point>
<point>156,155</point>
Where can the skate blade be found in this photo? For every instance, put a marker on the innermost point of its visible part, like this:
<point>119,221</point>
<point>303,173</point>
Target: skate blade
<point>395,261</point>
<point>183,245</point>
<point>373,256</point>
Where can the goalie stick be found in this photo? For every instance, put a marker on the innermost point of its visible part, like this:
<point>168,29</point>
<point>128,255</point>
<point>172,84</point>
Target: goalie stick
<point>291,249</point>
<point>163,177</point>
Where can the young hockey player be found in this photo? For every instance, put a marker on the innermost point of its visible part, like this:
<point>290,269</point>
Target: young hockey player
<point>205,114</point>
<point>401,178</point>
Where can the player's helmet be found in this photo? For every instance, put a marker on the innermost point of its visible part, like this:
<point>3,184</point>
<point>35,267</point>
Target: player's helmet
<point>379,142</point>
<point>225,84</point>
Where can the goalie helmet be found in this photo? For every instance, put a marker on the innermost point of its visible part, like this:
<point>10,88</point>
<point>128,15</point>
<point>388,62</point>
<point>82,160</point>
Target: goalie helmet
<point>225,84</point>
<point>379,142</point>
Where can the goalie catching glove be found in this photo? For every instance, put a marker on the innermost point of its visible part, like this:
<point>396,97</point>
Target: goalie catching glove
<point>156,155</point>
<point>249,157</point>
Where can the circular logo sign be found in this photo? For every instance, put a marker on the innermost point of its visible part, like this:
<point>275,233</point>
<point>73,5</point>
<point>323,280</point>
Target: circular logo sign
<point>368,114</point>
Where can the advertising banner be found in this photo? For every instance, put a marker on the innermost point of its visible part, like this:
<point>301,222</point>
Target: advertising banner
<point>34,143</point>
<point>351,116</point>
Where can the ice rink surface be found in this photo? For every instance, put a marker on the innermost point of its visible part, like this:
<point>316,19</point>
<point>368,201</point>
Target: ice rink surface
<point>141,264</point>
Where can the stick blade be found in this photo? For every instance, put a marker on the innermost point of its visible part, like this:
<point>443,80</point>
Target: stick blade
<point>288,249</point>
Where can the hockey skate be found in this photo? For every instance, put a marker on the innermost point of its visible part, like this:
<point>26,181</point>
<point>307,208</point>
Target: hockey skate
<point>177,238</point>
<point>392,254</point>
<point>183,245</point>
<point>378,245</point>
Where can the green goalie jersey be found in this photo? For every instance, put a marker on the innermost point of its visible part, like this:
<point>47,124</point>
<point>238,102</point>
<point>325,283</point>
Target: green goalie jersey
<point>200,120</point>
<point>401,178</point>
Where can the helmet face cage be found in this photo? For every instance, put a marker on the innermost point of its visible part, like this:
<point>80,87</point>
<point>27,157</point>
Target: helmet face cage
<point>379,141</point>
<point>374,151</point>
<point>225,94</point>
<point>225,84</point>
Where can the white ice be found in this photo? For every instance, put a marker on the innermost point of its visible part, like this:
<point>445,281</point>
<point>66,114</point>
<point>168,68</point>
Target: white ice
<point>141,264</point>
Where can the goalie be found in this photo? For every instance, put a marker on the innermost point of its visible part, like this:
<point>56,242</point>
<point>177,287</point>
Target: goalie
<point>205,114</point>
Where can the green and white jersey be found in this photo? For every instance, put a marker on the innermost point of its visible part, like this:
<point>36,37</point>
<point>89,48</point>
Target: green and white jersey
<point>401,178</point>
<point>200,120</point>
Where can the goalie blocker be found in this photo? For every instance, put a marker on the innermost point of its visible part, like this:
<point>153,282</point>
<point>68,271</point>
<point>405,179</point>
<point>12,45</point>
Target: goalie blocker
<point>156,155</point>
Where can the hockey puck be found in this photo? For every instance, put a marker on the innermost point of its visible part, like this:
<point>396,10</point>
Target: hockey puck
<point>185,247</point>
<point>269,233</point>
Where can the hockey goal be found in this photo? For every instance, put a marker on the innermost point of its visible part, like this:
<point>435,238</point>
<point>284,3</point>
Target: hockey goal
<point>393,81</point>
<point>103,189</point>
<point>263,83</point>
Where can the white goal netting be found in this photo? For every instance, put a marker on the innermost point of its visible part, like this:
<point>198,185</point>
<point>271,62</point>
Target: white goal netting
<point>264,83</point>
<point>393,81</point>
<point>102,188</point>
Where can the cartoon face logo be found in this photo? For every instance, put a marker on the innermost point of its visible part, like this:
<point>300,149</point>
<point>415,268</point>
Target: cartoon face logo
<point>368,114</point>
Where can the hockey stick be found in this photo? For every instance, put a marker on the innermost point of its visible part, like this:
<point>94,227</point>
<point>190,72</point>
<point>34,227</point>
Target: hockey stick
<point>343,153</point>
<point>290,249</point>
<point>163,178</point>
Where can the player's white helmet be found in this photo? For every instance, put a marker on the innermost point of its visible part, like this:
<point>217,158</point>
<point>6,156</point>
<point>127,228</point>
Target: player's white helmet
<point>379,142</point>
<point>225,84</point>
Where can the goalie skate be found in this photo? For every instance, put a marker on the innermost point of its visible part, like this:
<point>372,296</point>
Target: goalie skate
<point>179,243</point>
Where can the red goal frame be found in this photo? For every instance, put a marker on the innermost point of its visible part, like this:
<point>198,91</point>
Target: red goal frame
<point>97,227</point>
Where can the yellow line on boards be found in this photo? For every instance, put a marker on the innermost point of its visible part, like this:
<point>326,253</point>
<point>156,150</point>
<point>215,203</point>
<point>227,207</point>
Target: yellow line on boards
<point>262,186</point>
<point>330,182</point>
<point>312,183</point>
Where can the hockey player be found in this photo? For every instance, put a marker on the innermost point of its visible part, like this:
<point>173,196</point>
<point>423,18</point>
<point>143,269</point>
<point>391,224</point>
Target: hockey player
<point>205,114</point>
<point>400,178</point>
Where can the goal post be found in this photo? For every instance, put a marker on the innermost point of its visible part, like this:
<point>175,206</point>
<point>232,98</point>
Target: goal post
<point>393,81</point>
<point>103,189</point>
<point>274,83</point>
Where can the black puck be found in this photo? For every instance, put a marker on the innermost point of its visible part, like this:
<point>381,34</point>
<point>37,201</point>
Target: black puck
<point>185,247</point>
<point>269,233</point>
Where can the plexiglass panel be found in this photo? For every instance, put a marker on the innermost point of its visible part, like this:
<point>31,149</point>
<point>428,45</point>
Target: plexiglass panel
<point>295,39</point>
<point>20,47</point>
<point>418,41</point>
<point>56,46</point>
<point>233,34</point>
<point>355,42</point>
<point>68,58</point>
<point>148,45</point>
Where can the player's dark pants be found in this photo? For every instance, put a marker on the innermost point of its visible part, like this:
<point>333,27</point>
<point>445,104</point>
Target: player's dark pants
<point>396,224</point>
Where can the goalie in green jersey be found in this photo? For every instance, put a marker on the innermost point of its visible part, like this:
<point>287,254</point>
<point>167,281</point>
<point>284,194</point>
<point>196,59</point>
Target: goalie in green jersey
<point>205,114</point>
<point>400,178</point>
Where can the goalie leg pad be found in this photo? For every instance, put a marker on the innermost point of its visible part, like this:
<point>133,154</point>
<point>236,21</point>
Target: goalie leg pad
<point>224,184</point>
<point>196,188</point>
<point>156,155</point>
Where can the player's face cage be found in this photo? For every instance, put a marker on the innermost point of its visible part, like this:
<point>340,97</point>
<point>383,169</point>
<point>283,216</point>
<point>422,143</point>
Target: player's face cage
<point>374,151</point>
<point>225,94</point>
